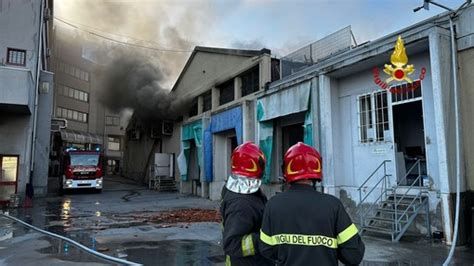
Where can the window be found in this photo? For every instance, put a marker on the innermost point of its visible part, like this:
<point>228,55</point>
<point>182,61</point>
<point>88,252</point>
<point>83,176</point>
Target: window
<point>8,176</point>
<point>113,143</point>
<point>250,81</point>
<point>373,117</point>
<point>365,118</point>
<point>207,101</point>
<point>381,115</point>
<point>406,92</point>
<point>112,121</point>
<point>226,92</point>
<point>16,57</point>
<point>194,108</point>
<point>73,93</point>
<point>74,71</point>
<point>71,114</point>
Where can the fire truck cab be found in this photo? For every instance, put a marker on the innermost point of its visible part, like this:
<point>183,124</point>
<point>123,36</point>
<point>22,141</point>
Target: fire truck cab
<point>81,169</point>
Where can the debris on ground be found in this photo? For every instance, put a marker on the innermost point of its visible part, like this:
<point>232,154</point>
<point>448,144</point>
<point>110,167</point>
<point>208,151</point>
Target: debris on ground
<point>186,216</point>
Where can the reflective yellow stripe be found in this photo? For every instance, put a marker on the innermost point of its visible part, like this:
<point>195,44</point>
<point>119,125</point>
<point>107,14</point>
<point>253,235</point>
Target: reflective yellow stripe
<point>227,260</point>
<point>347,234</point>
<point>266,238</point>
<point>247,246</point>
<point>296,239</point>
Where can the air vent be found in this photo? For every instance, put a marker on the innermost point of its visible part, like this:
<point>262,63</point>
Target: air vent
<point>155,133</point>
<point>135,135</point>
<point>167,129</point>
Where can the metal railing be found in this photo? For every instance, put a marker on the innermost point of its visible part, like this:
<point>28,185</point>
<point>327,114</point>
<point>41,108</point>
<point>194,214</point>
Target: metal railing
<point>413,205</point>
<point>397,201</point>
<point>384,181</point>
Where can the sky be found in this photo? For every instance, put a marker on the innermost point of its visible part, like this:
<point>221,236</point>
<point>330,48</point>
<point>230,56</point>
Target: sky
<point>280,25</point>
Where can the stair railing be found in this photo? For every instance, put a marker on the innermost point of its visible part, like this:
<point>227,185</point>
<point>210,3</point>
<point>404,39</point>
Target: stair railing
<point>384,181</point>
<point>401,198</point>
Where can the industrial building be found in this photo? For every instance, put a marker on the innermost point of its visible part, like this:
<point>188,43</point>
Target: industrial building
<point>26,96</point>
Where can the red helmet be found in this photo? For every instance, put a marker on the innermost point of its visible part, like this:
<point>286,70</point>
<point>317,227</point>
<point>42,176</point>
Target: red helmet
<point>248,160</point>
<point>302,162</point>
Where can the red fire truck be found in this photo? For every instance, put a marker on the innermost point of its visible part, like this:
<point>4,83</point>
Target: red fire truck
<point>82,169</point>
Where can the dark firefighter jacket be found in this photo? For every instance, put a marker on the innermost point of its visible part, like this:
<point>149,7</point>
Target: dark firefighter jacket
<point>242,219</point>
<point>304,227</point>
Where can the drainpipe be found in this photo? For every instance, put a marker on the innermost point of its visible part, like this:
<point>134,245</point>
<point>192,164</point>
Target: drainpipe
<point>35,112</point>
<point>458,137</point>
<point>456,117</point>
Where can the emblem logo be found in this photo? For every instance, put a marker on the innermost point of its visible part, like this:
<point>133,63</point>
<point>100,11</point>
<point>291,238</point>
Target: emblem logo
<point>398,70</point>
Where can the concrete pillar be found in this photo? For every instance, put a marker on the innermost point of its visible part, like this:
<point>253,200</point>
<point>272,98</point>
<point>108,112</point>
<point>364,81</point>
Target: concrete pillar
<point>326,135</point>
<point>199,103</point>
<point>265,70</point>
<point>249,120</point>
<point>441,74</point>
<point>237,88</point>
<point>215,98</point>
<point>315,111</point>
<point>205,190</point>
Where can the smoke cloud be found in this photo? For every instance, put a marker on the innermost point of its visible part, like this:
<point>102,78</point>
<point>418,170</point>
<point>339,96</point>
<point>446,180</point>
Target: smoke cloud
<point>130,76</point>
<point>133,82</point>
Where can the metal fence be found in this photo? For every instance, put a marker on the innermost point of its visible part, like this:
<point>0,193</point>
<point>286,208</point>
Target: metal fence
<point>334,43</point>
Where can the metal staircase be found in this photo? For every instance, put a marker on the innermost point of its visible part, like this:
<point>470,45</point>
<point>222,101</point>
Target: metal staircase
<point>162,184</point>
<point>393,208</point>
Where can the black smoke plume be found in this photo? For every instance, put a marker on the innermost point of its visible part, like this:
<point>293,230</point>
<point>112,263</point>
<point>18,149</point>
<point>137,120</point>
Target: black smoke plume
<point>132,81</point>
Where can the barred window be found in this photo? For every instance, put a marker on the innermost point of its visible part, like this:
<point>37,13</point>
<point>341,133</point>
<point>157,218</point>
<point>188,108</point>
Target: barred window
<point>250,81</point>
<point>381,115</point>
<point>373,117</point>
<point>16,57</point>
<point>406,92</point>
<point>226,92</point>
<point>194,108</point>
<point>365,118</point>
<point>207,101</point>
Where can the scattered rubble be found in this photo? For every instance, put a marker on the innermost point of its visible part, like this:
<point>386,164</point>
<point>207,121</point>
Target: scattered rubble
<point>186,216</point>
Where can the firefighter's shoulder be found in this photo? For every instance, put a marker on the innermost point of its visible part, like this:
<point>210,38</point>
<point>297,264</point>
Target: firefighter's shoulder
<point>239,201</point>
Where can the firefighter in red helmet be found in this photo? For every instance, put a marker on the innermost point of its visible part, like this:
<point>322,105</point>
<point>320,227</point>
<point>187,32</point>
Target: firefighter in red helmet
<point>242,207</point>
<point>302,226</point>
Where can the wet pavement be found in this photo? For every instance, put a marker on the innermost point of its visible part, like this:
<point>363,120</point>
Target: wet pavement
<point>116,222</point>
<point>119,222</point>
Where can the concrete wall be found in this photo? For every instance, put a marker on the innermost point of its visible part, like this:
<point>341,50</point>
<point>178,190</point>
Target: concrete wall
<point>42,146</point>
<point>466,78</point>
<point>347,162</point>
<point>205,72</point>
<point>352,168</point>
<point>19,99</point>
<point>19,28</point>
<point>15,139</point>
<point>136,156</point>
<point>207,68</point>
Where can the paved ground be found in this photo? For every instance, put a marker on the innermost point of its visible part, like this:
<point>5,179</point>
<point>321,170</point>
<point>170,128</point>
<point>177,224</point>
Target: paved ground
<point>117,222</point>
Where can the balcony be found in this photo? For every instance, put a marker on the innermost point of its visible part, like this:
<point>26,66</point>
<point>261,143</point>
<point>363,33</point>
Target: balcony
<point>16,90</point>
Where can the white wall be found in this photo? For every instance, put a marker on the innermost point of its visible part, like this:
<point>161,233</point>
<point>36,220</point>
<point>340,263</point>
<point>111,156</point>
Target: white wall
<point>354,161</point>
